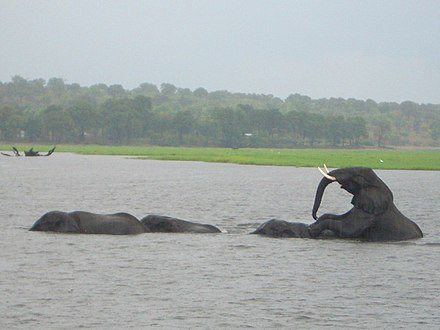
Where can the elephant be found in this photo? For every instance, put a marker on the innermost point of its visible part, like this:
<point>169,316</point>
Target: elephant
<point>281,228</point>
<point>164,224</point>
<point>89,223</point>
<point>374,217</point>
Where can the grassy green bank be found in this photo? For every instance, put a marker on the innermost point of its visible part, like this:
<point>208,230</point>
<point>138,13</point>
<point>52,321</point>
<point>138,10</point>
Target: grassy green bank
<point>374,158</point>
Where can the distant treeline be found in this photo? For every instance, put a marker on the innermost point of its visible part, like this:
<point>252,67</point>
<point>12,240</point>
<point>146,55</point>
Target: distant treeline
<point>55,112</point>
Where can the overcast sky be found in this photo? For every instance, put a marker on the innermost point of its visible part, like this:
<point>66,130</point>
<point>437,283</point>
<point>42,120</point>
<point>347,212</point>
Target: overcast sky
<point>384,50</point>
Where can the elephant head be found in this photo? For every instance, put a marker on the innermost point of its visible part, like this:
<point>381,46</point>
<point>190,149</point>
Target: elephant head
<point>369,192</point>
<point>373,216</point>
<point>56,221</point>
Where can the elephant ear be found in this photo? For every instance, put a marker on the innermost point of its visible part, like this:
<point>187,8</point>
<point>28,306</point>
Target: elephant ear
<point>372,200</point>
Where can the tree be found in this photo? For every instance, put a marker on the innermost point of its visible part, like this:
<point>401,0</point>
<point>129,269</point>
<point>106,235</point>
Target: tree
<point>18,88</point>
<point>409,109</point>
<point>11,122</point>
<point>85,117</point>
<point>200,92</point>
<point>274,121</point>
<point>381,127</point>
<point>298,102</point>
<point>227,131</point>
<point>142,107</point>
<point>116,91</point>
<point>435,130</point>
<point>315,124</point>
<point>97,94</point>
<point>168,89</point>
<point>125,119</point>
<point>56,87</point>
<point>57,124</point>
<point>146,89</point>
<point>183,123</point>
<point>33,125</point>
<point>303,125</point>
<point>335,127</point>
<point>356,129</point>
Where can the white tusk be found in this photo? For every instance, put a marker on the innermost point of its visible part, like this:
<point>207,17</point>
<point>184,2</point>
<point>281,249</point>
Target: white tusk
<point>326,169</point>
<point>332,178</point>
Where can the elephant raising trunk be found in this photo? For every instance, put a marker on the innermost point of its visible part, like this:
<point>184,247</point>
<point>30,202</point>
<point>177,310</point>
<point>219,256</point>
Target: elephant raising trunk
<point>369,192</point>
<point>373,217</point>
<point>318,197</point>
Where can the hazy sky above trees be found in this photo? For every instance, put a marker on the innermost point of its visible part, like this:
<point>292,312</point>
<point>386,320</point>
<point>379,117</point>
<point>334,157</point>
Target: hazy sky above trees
<point>383,50</point>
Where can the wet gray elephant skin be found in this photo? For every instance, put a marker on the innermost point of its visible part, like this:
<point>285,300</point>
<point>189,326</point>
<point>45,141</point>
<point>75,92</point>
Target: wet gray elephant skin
<point>281,228</point>
<point>89,223</point>
<point>374,217</point>
<point>165,224</point>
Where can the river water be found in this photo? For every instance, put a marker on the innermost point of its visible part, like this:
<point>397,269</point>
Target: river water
<point>230,280</point>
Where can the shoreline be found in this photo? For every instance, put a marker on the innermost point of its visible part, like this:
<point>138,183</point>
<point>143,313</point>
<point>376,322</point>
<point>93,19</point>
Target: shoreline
<point>401,158</point>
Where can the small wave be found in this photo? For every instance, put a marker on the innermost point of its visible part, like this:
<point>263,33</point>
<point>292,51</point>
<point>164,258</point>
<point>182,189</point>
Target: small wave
<point>431,244</point>
<point>248,224</point>
<point>305,317</point>
<point>243,246</point>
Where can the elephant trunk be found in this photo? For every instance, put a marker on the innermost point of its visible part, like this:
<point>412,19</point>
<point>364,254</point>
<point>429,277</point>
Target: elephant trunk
<point>319,193</point>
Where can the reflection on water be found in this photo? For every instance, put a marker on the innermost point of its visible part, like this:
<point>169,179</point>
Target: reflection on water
<point>229,280</point>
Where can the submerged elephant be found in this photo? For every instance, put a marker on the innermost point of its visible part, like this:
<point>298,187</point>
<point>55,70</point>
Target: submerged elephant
<point>374,217</point>
<point>165,224</point>
<point>281,228</point>
<point>89,223</point>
